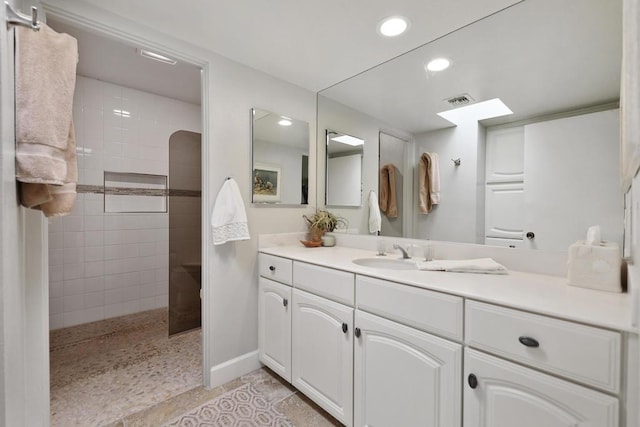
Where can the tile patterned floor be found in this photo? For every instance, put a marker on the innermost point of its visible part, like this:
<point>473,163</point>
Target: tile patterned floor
<point>125,372</point>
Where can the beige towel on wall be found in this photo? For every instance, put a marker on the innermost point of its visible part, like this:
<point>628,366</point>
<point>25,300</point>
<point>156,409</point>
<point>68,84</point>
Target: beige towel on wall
<point>388,202</point>
<point>45,143</point>
<point>429,186</point>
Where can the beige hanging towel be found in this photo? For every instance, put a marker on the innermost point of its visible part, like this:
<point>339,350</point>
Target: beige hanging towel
<point>429,186</point>
<point>45,144</point>
<point>388,202</point>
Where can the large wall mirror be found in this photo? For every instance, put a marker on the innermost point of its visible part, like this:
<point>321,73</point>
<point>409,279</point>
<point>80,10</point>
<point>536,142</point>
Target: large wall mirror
<point>343,169</point>
<point>524,122</point>
<point>280,159</point>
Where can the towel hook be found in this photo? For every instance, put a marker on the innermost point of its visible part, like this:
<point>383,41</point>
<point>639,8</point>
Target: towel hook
<point>16,18</point>
<point>456,161</point>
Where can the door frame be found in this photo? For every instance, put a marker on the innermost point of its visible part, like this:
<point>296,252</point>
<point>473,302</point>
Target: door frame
<point>125,35</point>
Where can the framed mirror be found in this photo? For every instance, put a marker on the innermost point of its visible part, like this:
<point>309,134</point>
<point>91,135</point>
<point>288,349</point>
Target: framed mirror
<point>343,169</point>
<point>521,178</point>
<point>280,159</point>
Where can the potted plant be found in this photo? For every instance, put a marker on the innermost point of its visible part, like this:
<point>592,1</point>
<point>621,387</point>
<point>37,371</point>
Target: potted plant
<point>322,221</point>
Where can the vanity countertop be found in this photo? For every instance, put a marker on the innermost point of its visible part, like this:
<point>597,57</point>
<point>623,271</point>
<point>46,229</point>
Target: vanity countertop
<point>549,295</point>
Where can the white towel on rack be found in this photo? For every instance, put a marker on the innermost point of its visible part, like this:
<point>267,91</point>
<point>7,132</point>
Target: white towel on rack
<point>229,218</point>
<point>480,265</point>
<point>375,219</point>
<point>434,180</point>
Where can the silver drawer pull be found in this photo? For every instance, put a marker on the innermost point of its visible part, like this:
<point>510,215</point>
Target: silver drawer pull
<point>529,342</point>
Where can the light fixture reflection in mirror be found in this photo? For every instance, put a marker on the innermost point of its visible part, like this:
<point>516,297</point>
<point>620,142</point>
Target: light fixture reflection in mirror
<point>280,159</point>
<point>343,169</point>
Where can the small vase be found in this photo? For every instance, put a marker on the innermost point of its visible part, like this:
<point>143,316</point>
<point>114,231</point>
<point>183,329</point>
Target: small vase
<point>315,234</point>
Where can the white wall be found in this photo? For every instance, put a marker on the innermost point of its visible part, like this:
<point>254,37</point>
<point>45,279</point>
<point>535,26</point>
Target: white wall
<point>340,118</point>
<point>111,264</point>
<point>455,218</point>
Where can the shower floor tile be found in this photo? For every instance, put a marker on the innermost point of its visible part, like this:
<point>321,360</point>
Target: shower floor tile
<point>103,371</point>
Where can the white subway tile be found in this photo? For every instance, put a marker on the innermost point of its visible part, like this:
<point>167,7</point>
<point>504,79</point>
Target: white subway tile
<point>93,314</point>
<point>148,303</point>
<point>56,273</point>
<point>55,321</point>
<point>94,253</point>
<point>94,268</point>
<point>73,287</point>
<point>94,207</point>
<point>73,223</point>
<point>148,290</point>
<point>78,206</point>
<point>113,310</point>
<point>113,296</point>
<point>73,318</point>
<point>55,225</point>
<point>56,257</point>
<point>93,238</point>
<point>131,293</point>
<point>94,299</point>
<point>114,278</point>
<point>73,303</point>
<point>161,274</point>
<point>74,255</point>
<point>92,94</point>
<point>93,222</point>
<point>146,249</point>
<point>129,307</point>
<point>56,305</point>
<point>73,239</point>
<point>132,279</point>
<point>56,289</point>
<point>162,300</point>
<point>93,177</point>
<point>147,277</point>
<point>94,284</point>
<point>73,271</point>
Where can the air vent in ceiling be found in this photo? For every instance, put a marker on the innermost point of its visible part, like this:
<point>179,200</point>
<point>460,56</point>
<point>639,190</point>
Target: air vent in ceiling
<point>460,100</point>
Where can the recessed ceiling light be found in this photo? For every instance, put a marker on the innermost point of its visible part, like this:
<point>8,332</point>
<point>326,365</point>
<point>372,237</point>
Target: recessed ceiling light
<point>285,122</point>
<point>156,56</point>
<point>393,26</point>
<point>349,140</point>
<point>438,64</point>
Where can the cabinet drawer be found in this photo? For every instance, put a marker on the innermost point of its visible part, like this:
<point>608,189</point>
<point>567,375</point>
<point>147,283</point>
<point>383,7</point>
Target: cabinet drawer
<point>586,354</point>
<point>275,268</point>
<point>333,284</point>
<point>422,309</point>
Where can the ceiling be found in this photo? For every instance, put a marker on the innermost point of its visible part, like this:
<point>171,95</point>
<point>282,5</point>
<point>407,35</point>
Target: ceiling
<point>540,57</point>
<point>266,128</point>
<point>311,44</point>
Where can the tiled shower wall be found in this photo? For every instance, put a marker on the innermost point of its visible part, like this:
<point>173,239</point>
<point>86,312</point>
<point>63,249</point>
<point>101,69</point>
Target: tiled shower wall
<point>109,264</point>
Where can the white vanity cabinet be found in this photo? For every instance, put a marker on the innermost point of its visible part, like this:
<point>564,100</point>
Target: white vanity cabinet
<point>502,394</point>
<point>274,326</point>
<point>499,393</point>
<point>322,338</point>
<point>404,377</point>
<point>274,314</point>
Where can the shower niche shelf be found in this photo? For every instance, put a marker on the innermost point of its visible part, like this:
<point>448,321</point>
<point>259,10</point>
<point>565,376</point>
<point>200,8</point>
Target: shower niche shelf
<point>127,192</point>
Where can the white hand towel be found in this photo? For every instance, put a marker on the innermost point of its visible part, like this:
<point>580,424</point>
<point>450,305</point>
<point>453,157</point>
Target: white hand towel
<point>375,219</point>
<point>229,218</point>
<point>434,180</point>
<point>480,265</point>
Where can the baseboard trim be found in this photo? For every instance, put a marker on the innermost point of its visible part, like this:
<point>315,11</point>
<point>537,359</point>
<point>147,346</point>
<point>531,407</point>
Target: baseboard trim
<point>234,368</point>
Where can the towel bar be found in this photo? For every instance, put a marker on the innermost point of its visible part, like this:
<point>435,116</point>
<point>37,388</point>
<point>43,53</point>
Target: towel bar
<point>16,18</point>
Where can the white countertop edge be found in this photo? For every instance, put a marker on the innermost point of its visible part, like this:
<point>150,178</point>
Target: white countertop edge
<point>536,293</point>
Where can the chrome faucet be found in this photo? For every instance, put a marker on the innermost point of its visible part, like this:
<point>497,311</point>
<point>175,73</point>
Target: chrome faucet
<point>405,255</point>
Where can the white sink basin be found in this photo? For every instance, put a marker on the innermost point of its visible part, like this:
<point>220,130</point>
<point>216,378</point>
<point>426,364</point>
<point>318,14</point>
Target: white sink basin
<point>386,263</point>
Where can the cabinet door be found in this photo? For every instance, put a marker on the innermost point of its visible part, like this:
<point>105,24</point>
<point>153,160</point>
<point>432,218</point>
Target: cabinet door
<point>404,377</point>
<point>323,353</point>
<point>507,395</point>
<point>274,331</point>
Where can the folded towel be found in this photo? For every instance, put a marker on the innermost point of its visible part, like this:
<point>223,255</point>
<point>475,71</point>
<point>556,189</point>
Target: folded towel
<point>429,177</point>
<point>45,81</point>
<point>434,179</point>
<point>388,203</point>
<point>229,218</point>
<point>425,202</point>
<point>375,219</point>
<point>480,265</point>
